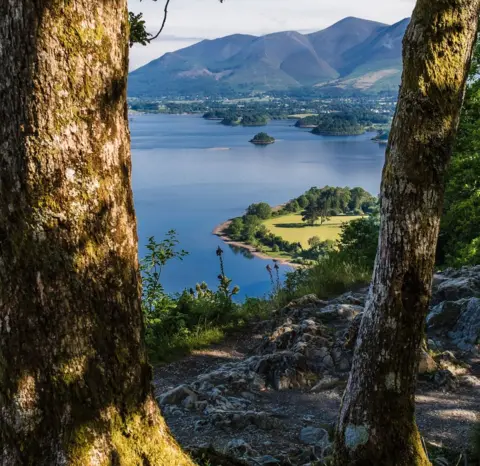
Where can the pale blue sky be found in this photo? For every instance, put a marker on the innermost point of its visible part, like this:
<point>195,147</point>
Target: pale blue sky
<point>190,21</point>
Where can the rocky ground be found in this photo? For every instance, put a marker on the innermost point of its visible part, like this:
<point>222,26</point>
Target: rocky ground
<point>271,395</point>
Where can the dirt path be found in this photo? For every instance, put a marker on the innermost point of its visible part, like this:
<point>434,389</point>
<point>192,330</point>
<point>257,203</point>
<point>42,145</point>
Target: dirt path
<point>445,419</point>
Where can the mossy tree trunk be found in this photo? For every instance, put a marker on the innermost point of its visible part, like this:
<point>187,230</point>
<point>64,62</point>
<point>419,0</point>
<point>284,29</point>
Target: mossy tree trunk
<point>377,419</point>
<point>75,386</point>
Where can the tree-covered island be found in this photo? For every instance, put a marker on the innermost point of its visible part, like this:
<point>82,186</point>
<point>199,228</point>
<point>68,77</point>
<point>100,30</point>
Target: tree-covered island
<point>262,139</point>
<point>350,122</point>
<point>245,120</point>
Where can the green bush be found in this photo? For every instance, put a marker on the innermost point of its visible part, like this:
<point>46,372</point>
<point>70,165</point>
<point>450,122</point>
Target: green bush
<point>330,276</point>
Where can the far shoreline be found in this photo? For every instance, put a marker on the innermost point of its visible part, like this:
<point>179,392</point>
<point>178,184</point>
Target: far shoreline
<point>219,231</point>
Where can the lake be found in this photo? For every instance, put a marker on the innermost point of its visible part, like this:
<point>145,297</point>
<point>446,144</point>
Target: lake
<point>190,174</point>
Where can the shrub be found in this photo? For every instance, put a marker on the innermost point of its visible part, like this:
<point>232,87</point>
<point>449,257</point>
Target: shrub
<point>261,210</point>
<point>330,276</point>
<point>196,317</point>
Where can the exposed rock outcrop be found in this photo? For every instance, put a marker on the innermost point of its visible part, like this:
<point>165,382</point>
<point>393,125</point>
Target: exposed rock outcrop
<point>308,345</point>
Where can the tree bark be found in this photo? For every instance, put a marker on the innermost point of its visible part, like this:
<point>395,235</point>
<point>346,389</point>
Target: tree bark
<point>377,419</point>
<point>75,386</point>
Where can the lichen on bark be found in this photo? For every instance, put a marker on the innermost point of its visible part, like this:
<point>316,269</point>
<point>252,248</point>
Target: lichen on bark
<point>75,385</point>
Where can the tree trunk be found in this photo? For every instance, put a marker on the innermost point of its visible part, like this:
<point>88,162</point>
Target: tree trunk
<point>75,386</point>
<point>377,418</point>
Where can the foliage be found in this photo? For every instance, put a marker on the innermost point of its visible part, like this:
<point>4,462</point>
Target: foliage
<point>233,120</point>
<point>254,120</point>
<point>459,241</point>
<point>262,138</point>
<point>354,116</point>
<point>261,210</point>
<point>328,201</point>
<point>196,317</point>
<point>320,204</point>
<point>215,115</point>
<point>382,136</point>
<point>340,267</point>
<point>152,266</point>
<point>330,276</point>
<point>138,33</point>
<point>359,240</point>
<point>313,213</point>
<point>334,201</point>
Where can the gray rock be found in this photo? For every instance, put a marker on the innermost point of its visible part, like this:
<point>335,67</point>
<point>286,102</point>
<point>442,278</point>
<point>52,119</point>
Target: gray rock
<point>447,360</point>
<point>327,382</point>
<point>342,312</point>
<point>314,436</point>
<point>469,381</point>
<point>238,447</point>
<point>266,459</point>
<point>445,315</point>
<point>466,332</point>
<point>176,396</point>
<point>427,363</point>
<point>434,345</point>
<point>458,284</point>
<point>441,461</point>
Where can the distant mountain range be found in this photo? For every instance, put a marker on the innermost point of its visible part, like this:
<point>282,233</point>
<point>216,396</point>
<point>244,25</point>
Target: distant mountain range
<point>353,55</point>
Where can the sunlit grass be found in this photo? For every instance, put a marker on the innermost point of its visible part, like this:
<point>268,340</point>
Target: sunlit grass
<point>292,229</point>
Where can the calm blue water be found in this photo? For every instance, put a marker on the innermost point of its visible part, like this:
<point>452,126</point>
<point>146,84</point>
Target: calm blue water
<point>183,179</point>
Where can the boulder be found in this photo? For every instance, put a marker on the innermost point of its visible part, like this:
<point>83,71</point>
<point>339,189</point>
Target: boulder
<point>177,396</point>
<point>466,332</point>
<point>238,447</point>
<point>342,312</point>
<point>327,382</point>
<point>457,284</point>
<point>469,381</point>
<point>265,460</point>
<point>427,364</point>
<point>448,361</point>
<point>457,320</point>
<point>445,315</point>
<point>314,436</point>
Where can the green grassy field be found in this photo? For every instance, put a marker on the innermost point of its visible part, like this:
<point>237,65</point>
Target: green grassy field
<point>291,228</point>
<point>298,116</point>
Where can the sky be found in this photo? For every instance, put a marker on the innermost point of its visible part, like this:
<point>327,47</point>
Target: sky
<point>190,21</point>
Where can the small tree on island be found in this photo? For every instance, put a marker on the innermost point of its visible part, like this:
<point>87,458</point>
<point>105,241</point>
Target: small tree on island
<point>263,138</point>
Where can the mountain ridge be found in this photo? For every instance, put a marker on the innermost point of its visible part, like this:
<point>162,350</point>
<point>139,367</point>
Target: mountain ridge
<point>352,54</point>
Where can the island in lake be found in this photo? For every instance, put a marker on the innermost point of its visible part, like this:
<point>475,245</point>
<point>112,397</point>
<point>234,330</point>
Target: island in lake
<point>344,123</point>
<point>382,137</point>
<point>245,120</point>
<point>262,139</point>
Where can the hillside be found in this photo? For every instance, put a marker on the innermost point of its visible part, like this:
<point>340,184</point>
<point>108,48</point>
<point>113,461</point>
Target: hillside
<point>353,54</point>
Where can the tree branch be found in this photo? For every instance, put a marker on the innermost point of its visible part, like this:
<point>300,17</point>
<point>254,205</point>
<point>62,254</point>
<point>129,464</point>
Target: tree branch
<point>165,14</point>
